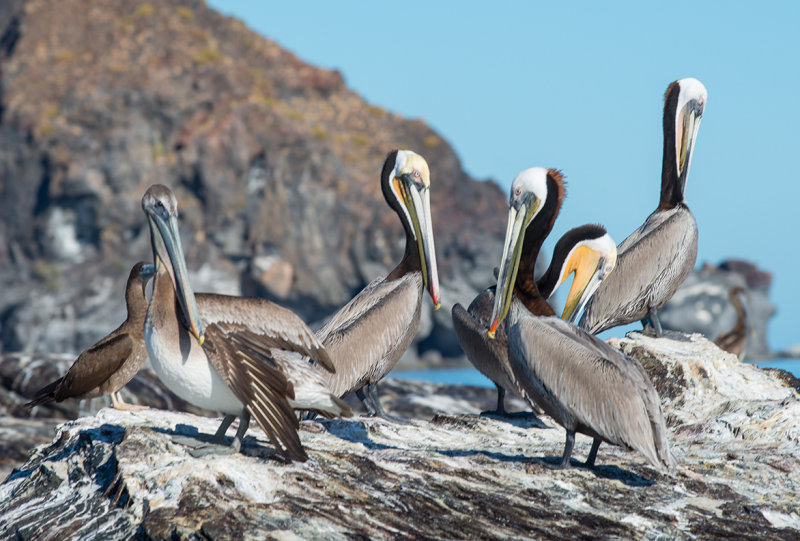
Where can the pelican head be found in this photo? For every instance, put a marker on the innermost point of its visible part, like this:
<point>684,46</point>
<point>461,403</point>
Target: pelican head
<point>689,96</point>
<point>143,271</point>
<point>528,194</point>
<point>592,257</point>
<point>406,183</point>
<point>161,208</point>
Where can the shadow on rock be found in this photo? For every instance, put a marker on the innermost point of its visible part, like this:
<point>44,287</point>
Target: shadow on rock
<point>353,431</point>
<point>189,436</point>
<point>612,472</point>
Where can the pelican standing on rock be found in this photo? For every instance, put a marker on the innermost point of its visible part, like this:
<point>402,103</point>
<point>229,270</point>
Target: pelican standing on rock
<point>584,384</point>
<point>111,363</point>
<point>218,352</point>
<point>735,340</point>
<point>368,335</point>
<point>656,258</point>
<point>588,252</point>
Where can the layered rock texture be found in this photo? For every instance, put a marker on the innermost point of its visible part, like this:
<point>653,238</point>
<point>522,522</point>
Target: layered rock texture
<point>275,164</point>
<point>734,429</point>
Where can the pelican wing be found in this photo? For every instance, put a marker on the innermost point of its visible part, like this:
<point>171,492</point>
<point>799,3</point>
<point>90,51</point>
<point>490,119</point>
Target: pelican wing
<point>263,325</point>
<point>370,333</point>
<point>258,383</point>
<point>651,264</point>
<point>585,380</point>
<point>91,369</point>
<point>488,355</point>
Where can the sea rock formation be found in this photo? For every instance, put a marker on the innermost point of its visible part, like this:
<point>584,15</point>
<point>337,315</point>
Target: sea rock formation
<point>275,163</point>
<point>734,429</point>
<point>702,304</point>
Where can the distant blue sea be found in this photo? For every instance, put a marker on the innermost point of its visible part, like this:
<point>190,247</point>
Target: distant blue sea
<point>470,376</point>
<point>448,376</point>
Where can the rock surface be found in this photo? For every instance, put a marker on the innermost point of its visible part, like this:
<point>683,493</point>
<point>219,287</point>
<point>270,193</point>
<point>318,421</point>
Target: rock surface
<point>735,431</point>
<point>275,163</point>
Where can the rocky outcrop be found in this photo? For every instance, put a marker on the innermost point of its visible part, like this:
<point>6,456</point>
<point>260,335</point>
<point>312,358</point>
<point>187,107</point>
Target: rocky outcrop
<point>275,163</point>
<point>702,304</point>
<point>735,431</point>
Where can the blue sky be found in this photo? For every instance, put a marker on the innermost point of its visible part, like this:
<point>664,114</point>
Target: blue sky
<point>579,86</point>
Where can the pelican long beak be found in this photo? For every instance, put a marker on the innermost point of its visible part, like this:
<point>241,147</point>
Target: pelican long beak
<point>417,200</point>
<point>520,213</point>
<point>688,122</point>
<point>590,268</point>
<point>168,253</point>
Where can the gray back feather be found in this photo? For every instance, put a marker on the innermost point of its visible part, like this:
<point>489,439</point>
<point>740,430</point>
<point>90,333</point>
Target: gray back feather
<point>652,263</point>
<point>587,385</point>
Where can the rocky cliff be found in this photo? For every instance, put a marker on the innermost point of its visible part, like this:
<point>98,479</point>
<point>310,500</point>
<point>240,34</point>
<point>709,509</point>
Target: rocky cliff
<point>734,429</point>
<point>275,164</point>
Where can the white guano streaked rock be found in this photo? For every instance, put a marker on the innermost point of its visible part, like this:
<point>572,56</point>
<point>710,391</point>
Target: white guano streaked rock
<point>451,473</point>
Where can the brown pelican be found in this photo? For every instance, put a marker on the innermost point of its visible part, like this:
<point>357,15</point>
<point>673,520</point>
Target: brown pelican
<point>587,251</point>
<point>735,340</point>
<point>111,363</point>
<point>218,352</point>
<point>656,258</point>
<point>369,334</point>
<point>584,384</point>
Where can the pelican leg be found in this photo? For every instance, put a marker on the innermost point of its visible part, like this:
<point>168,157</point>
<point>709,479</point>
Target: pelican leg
<point>244,424</point>
<point>655,322</point>
<point>119,404</point>
<point>366,401</point>
<point>219,447</point>
<point>372,393</point>
<point>219,437</point>
<point>567,452</point>
<point>593,453</point>
<point>500,411</point>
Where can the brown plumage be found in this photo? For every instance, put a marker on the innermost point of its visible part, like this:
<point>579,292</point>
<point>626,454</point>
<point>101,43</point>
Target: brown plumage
<point>370,333</point>
<point>111,363</point>
<point>218,352</point>
<point>735,340</point>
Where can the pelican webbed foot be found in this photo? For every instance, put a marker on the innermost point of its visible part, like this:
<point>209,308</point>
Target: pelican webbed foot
<point>119,404</point>
<point>217,445</point>
<point>368,395</point>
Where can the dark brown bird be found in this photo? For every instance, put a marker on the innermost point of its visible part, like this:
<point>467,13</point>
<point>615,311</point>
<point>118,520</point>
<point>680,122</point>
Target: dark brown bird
<point>111,363</point>
<point>735,340</point>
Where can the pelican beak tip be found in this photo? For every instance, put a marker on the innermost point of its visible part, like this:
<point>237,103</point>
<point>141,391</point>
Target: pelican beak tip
<point>437,305</point>
<point>201,339</point>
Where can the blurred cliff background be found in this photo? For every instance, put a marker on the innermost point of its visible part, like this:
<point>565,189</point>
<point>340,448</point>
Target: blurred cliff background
<point>276,166</point>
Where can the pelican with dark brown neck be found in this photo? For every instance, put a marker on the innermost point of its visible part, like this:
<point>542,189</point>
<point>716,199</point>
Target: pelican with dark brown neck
<point>584,384</point>
<point>656,258</point>
<point>367,336</point>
